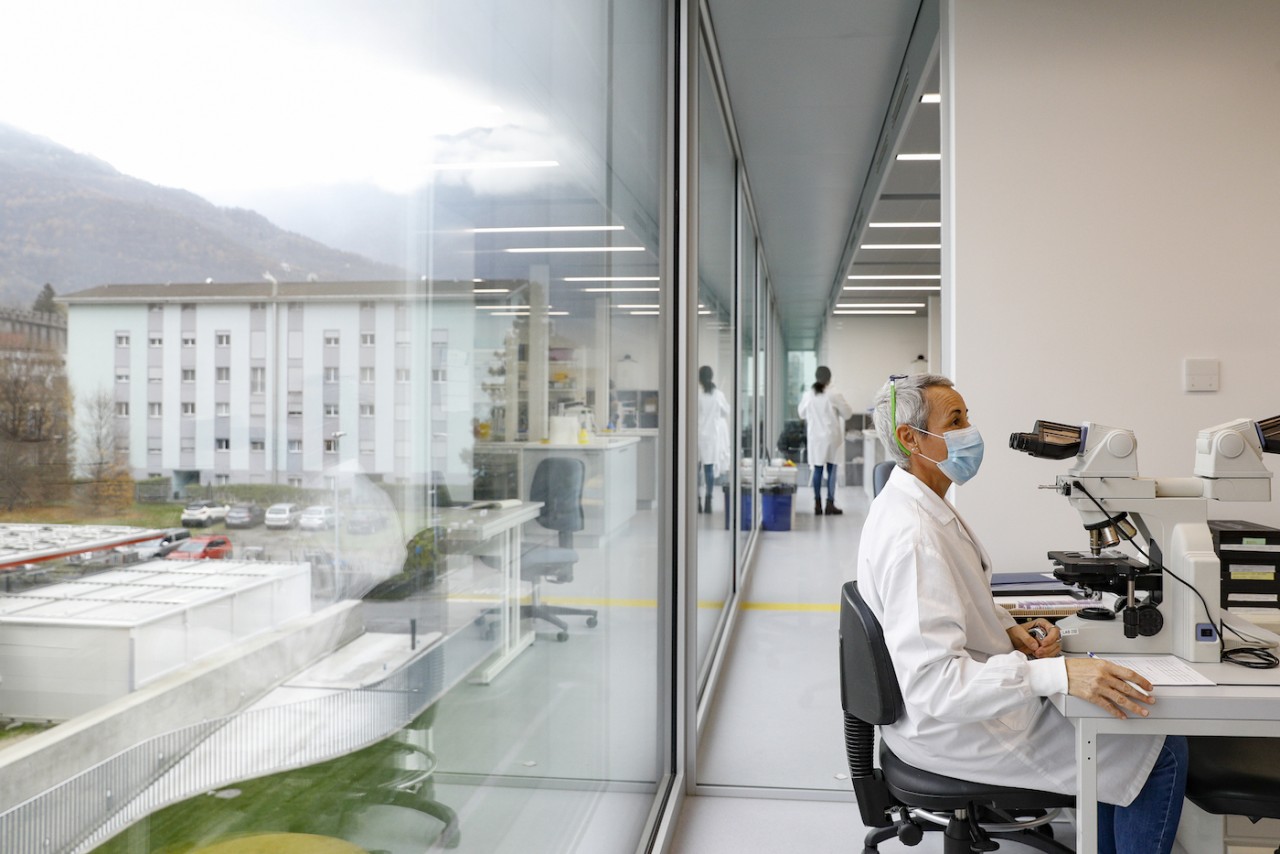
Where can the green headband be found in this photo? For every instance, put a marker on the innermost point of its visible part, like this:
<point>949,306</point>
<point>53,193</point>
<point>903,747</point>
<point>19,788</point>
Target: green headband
<point>893,408</point>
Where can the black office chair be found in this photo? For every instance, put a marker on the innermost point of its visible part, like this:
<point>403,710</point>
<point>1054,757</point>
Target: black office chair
<point>1235,776</point>
<point>880,475</point>
<point>899,800</point>
<point>557,483</point>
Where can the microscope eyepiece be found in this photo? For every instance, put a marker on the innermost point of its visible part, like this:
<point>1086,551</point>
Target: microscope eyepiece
<point>1048,440</point>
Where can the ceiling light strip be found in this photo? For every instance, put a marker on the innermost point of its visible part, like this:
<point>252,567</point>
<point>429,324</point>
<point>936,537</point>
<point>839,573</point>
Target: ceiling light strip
<point>529,229</point>
<point>576,249</point>
<point>933,288</point>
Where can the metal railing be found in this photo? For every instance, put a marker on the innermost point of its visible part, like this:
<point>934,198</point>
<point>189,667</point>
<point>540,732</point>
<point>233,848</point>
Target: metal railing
<point>91,807</point>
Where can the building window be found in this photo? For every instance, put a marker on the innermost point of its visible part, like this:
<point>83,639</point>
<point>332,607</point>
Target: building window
<point>331,410</point>
<point>155,410</point>
<point>223,409</point>
<point>122,339</point>
<point>222,444</point>
<point>122,410</point>
<point>295,482</point>
<point>331,375</point>
<point>122,376</point>
<point>188,408</point>
<point>366,375</point>
<point>155,306</point>
<point>222,339</point>
<point>366,410</point>
<point>156,341</point>
<point>366,339</point>
<point>402,375</point>
<point>257,444</point>
<point>188,375</point>
<point>222,479</point>
<point>366,304</point>
<point>188,340</point>
<point>257,306</point>
<point>331,339</point>
<point>439,375</point>
<point>257,380</point>
<point>366,446</point>
<point>331,446</point>
<point>223,375</point>
<point>295,446</point>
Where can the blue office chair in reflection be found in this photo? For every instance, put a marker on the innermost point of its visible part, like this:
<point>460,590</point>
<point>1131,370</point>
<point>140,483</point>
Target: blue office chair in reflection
<point>557,483</point>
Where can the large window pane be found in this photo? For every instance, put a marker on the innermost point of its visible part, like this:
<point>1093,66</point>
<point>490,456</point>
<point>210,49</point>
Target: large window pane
<point>717,422</point>
<point>392,272</point>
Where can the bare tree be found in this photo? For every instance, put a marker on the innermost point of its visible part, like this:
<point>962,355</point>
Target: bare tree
<point>34,430</point>
<point>102,453</point>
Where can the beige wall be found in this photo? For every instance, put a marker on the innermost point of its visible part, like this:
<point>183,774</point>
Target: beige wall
<point>1112,200</point>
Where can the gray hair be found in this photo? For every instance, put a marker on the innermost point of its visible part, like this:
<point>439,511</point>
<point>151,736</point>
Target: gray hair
<point>912,409</point>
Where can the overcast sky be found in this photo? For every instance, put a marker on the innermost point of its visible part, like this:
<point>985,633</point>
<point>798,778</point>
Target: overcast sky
<point>232,97</point>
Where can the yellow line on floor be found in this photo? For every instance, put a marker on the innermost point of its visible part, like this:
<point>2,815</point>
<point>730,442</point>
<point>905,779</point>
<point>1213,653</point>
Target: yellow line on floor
<point>705,604</point>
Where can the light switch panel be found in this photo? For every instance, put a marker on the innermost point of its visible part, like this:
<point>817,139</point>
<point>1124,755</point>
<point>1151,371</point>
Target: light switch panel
<point>1199,374</point>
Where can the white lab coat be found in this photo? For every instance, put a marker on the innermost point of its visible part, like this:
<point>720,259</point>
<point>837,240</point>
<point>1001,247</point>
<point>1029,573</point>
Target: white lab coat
<point>713,430</point>
<point>974,708</point>
<point>824,416</point>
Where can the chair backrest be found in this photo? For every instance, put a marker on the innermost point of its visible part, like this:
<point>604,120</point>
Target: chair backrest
<point>880,475</point>
<point>557,483</point>
<point>868,686</point>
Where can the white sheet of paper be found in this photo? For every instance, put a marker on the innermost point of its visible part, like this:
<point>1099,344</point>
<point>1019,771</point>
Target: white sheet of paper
<point>1161,669</point>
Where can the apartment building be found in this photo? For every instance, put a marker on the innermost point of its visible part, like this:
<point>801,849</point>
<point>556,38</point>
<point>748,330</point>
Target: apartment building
<point>270,382</point>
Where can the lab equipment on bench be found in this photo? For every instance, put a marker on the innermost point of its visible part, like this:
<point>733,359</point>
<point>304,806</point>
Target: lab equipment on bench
<point>1165,520</point>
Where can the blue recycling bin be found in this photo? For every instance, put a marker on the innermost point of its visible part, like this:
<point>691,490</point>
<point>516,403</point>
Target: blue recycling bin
<point>775,510</point>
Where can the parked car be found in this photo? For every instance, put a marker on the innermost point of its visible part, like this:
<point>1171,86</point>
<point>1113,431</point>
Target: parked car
<point>245,516</point>
<point>283,515</point>
<point>365,521</point>
<point>160,547</point>
<point>202,548</point>
<point>318,517</point>
<point>204,513</point>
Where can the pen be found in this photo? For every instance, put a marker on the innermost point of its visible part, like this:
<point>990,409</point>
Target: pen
<point>1091,655</point>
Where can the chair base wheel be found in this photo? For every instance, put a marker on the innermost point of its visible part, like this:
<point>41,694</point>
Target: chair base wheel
<point>562,636</point>
<point>592,622</point>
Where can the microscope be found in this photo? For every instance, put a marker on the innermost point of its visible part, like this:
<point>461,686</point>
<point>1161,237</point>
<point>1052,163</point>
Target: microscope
<point>1169,598</point>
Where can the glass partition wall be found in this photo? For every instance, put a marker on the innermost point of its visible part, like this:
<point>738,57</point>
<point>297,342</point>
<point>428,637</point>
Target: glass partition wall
<point>408,274</point>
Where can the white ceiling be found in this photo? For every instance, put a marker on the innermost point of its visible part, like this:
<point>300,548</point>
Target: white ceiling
<point>811,83</point>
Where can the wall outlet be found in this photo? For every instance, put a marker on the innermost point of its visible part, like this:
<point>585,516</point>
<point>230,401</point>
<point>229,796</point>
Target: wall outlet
<point>1200,374</point>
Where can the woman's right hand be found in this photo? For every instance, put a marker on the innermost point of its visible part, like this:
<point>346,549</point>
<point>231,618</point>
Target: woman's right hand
<point>1109,686</point>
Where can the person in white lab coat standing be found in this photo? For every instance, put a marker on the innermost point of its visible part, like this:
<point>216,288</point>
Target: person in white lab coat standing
<point>974,683</point>
<point>713,433</point>
<point>824,412</point>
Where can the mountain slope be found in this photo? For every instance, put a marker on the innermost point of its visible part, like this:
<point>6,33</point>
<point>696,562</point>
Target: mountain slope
<point>75,222</point>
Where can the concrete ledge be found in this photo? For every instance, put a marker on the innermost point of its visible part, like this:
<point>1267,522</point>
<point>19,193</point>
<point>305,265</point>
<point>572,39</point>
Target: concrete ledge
<point>217,687</point>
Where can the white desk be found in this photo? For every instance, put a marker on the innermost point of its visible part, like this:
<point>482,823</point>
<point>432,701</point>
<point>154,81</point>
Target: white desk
<point>502,526</point>
<point>1245,702</point>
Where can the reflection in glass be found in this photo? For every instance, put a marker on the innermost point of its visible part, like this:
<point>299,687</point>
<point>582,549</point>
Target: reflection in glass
<point>399,265</point>
<point>715,343</point>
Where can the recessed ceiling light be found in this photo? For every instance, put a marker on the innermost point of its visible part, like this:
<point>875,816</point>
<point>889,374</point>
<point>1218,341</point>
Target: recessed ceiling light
<point>611,278</point>
<point>880,305</point>
<point>619,290</point>
<point>576,249</point>
<point>893,287</point>
<point>546,228</point>
<point>931,98</point>
<point>921,155</point>
<point>638,313</point>
<point>502,307</point>
<point>913,277</point>
<point>894,246</point>
<point>495,164</point>
<point>870,311</point>
<point>491,291</point>
<point>637,305</point>
<point>904,225</point>
<point>473,281</point>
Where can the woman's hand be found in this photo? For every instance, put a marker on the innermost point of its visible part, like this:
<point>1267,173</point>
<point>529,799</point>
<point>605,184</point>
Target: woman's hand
<point>1117,689</point>
<point>1046,645</point>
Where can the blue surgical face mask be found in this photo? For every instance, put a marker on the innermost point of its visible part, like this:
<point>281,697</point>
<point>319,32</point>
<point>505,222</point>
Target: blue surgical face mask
<point>964,453</point>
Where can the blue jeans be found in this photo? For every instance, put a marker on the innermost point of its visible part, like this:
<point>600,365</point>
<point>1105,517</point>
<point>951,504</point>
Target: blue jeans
<point>1149,824</point>
<point>831,482</point>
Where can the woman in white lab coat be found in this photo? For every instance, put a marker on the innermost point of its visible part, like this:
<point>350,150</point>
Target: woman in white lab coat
<point>974,683</point>
<point>824,412</point>
<point>713,433</point>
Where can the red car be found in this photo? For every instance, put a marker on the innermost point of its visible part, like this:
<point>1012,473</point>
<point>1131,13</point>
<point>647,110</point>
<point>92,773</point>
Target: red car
<point>202,548</point>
